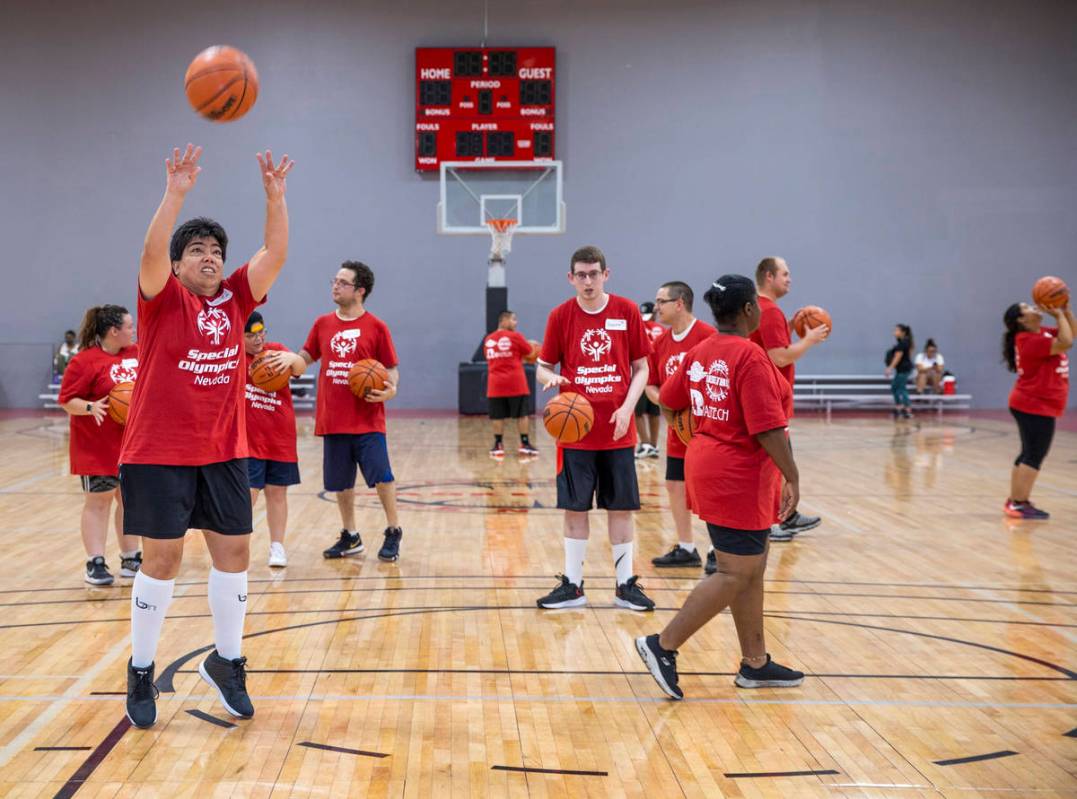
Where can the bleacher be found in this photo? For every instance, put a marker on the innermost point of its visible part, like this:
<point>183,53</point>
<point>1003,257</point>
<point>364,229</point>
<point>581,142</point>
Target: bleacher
<point>303,391</point>
<point>846,392</point>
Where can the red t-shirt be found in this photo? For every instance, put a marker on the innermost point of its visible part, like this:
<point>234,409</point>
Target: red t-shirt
<point>735,392</point>
<point>596,351</point>
<point>654,330</point>
<point>667,356</point>
<point>270,418</point>
<point>341,344</point>
<point>91,374</point>
<point>505,377</point>
<point>187,406</point>
<point>1043,379</point>
<point>773,331</point>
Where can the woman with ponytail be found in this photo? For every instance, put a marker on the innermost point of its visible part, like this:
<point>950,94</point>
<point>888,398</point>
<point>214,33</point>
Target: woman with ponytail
<point>106,356</point>
<point>1038,355</point>
<point>899,365</point>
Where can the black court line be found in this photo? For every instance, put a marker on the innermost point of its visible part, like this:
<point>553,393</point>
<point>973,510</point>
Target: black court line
<point>62,748</point>
<point>198,714</point>
<point>91,763</point>
<point>974,758</point>
<point>740,775</point>
<point>571,772</point>
<point>108,693</point>
<point>343,749</point>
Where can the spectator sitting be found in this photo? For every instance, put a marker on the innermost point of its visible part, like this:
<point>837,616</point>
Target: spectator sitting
<point>67,351</point>
<point>929,368</point>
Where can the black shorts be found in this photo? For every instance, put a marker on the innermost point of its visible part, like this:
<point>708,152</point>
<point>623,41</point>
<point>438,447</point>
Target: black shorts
<point>167,501</point>
<point>609,473</point>
<point>263,472</point>
<point>674,468</point>
<point>508,407</point>
<point>645,406</point>
<point>342,452</point>
<point>1036,433</point>
<point>738,542</point>
<point>99,483</point>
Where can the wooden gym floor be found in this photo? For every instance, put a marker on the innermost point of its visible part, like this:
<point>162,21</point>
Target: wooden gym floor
<point>938,638</point>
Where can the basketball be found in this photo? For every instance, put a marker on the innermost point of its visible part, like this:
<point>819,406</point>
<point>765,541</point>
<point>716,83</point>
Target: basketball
<point>536,348</point>
<point>367,375</point>
<point>810,316</point>
<point>221,84</point>
<point>119,401</point>
<point>262,375</point>
<point>568,417</point>
<point>1050,292</point>
<point>684,424</point>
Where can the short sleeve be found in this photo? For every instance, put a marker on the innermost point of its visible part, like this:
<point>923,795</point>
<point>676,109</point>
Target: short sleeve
<point>773,329</point>
<point>652,369</point>
<point>313,343</point>
<point>759,396</point>
<point>240,285</point>
<point>639,343</point>
<point>386,350</point>
<point>674,392</point>
<point>551,340</point>
<point>77,381</point>
<point>520,343</point>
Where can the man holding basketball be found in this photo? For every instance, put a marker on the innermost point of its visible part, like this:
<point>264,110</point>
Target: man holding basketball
<point>773,282</point>
<point>183,460</point>
<point>602,347</point>
<point>353,429</point>
<point>507,392</point>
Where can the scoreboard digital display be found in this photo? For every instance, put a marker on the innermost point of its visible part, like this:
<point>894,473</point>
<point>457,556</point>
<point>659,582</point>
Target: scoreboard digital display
<point>483,104</point>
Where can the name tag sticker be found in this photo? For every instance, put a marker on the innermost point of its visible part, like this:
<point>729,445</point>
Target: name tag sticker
<point>128,363</point>
<point>353,333</point>
<point>616,324</point>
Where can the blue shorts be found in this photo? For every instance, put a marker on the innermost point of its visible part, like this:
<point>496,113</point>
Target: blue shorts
<point>342,452</point>
<point>275,473</point>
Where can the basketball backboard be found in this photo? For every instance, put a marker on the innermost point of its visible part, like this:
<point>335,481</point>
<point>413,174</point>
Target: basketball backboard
<point>529,192</point>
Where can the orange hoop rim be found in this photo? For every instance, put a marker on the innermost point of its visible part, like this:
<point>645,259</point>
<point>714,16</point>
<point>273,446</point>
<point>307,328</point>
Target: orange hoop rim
<point>501,225</point>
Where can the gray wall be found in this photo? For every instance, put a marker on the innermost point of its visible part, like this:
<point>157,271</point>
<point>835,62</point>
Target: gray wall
<point>913,161</point>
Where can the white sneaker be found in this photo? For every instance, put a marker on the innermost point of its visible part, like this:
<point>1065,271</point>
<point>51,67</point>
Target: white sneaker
<point>276,555</point>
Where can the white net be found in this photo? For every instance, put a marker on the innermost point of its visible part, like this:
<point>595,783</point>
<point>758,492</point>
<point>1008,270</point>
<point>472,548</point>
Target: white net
<point>501,237</point>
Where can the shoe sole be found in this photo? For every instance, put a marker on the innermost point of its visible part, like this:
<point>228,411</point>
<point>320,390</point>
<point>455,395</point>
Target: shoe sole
<point>690,564</point>
<point>98,581</point>
<point>127,573</point>
<point>745,682</point>
<point>801,528</point>
<point>277,565</point>
<point>345,553</point>
<point>384,559</point>
<point>142,726</point>
<point>578,602</point>
<point>624,603</point>
<point>651,662</point>
<point>209,681</point>
<point>782,539</point>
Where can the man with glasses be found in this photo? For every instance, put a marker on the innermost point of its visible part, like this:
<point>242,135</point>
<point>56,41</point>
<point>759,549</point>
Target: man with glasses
<point>601,345</point>
<point>353,429</point>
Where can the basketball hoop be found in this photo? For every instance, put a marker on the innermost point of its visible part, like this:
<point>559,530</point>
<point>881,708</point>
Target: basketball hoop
<point>501,234</point>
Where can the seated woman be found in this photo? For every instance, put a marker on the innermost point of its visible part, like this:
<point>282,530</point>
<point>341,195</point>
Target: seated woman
<point>929,368</point>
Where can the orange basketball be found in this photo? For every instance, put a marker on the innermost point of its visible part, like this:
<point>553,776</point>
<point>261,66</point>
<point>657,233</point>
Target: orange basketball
<point>568,417</point>
<point>808,317</point>
<point>119,401</point>
<point>684,424</point>
<point>261,374</point>
<point>221,83</point>
<point>536,348</point>
<point>1050,292</point>
<point>367,375</point>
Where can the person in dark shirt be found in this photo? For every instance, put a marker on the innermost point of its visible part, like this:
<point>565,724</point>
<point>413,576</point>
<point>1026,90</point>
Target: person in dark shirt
<point>898,367</point>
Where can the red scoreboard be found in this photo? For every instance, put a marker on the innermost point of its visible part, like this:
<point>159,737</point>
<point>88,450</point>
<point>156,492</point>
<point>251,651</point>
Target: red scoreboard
<point>483,104</point>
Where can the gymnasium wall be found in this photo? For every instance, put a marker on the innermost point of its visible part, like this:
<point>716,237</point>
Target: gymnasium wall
<point>912,161</point>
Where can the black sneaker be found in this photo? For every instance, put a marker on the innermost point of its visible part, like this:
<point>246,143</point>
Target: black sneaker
<point>141,696</point>
<point>661,663</point>
<point>347,545</point>
<point>678,556</point>
<point>97,572</point>
<point>229,677</point>
<point>527,451</point>
<point>712,563</point>
<point>129,566</point>
<point>566,595</point>
<point>799,523</point>
<point>390,548</point>
<point>630,595</point>
<point>769,675</point>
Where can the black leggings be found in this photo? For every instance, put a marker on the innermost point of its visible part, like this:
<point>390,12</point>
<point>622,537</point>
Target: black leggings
<point>1036,434</point>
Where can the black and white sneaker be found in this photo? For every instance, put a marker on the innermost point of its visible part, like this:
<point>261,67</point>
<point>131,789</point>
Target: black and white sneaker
<point>661,663</point>
<point>129,566</point>
<point>97,572</point>
<point>769,675</point>
<point>712,563</point>
<point>781,534</point>
<point>678,556</point>
<point>799,523</point>
<point>348,544</point>
<point>566,595</point>
<point>229,678</point>
<point>141,696</point>
<point>527,451</point>
<point>390,548</point>
<point>630,595</point>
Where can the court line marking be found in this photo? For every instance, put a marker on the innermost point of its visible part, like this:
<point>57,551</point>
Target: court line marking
<point>198,714</point>
<point>956,761</point>
<point>342,749</point>
<point>568,771</point>
<point>736,775</point>
<point>97,756</point>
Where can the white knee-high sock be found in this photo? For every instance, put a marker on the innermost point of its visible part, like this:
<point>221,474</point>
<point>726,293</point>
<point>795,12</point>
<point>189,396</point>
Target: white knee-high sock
<point>228,604</point>
<point>622,562</point>
<point>575,553</point>
<point>150,599</point>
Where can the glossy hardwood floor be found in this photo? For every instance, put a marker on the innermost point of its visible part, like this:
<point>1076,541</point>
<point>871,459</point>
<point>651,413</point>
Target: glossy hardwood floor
<point>938,637</point>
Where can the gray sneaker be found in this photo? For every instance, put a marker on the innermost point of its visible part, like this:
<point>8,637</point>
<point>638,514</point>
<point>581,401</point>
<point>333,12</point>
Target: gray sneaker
<point>97,572</point>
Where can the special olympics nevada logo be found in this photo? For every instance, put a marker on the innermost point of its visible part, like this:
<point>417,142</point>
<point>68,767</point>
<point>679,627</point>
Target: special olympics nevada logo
<point>122,373</point>
<point>344,343</point>
<point>214,322</point>
<point>596,342</point>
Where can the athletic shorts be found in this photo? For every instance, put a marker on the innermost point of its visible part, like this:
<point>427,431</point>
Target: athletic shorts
<point>645,406</point>
<point>342,452</point>
<point>508,407</point>
<point>608,473</point>
<point>738,542</point>
<point>99,483</point>
<point>275,473</point>
<point>674,468</point>
<point>167,501</point>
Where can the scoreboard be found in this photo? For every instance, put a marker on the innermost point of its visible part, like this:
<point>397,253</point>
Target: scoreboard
<point>483,104</point>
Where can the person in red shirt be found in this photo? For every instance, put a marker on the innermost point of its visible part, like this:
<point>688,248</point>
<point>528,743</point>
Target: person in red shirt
<point>733,473</point>
<point>183,458</point>
<point>1038,355</point>
<point>353,429</point>
<point>507,392</point>
<point>107,356</point>
<point>602,347</point>
<point>648,417</point>
<point>273,464</point>
<point>673,306</point>
<point>773,282</point>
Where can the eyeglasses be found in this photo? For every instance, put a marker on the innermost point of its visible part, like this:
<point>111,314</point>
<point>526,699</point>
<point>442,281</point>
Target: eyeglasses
<point>592,275</point>
<point>658,301</point>
<point>342,283</point>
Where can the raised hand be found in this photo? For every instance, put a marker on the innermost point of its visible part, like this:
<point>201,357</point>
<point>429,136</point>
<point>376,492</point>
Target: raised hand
<point>273,177</point>
<point>182,170</point>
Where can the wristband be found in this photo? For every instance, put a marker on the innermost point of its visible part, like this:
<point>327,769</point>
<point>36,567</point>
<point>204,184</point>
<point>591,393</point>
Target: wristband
<point>89,407</point>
